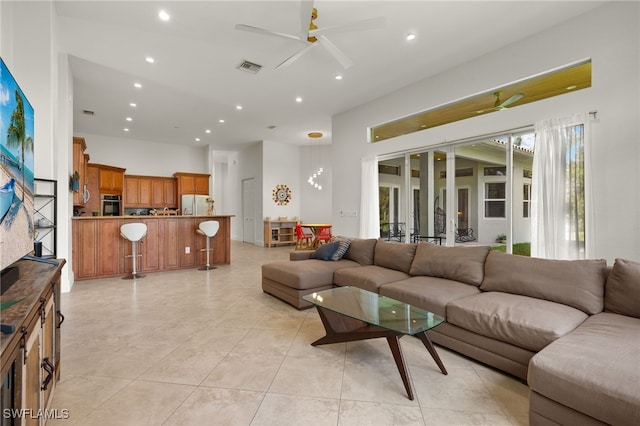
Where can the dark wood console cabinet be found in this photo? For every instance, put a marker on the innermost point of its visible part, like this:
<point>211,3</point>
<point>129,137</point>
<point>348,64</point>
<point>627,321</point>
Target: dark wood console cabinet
<point>30,357</point>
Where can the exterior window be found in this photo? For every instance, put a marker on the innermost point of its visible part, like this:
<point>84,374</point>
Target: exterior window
<point>495,171</point>
<point>526,197</point>
<point>495,195</point>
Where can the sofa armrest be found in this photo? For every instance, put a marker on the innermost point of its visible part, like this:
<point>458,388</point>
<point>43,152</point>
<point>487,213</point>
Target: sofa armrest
<point>300,254</point>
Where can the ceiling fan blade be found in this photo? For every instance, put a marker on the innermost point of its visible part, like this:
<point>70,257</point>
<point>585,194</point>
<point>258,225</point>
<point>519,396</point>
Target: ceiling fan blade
<point>306,6</point>
<point>291,59</point>
<point>337,53</point>
<point>366,24</point>
<point>250,29</point>
<point>511,100</point>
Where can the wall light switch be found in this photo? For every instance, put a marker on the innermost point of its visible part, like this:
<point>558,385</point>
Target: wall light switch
<point>187,250</point>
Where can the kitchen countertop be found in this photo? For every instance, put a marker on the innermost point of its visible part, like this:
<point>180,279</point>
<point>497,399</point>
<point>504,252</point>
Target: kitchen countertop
<point>85,217</point>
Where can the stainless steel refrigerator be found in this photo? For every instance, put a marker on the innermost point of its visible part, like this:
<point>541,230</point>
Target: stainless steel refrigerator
<point>194,205</point>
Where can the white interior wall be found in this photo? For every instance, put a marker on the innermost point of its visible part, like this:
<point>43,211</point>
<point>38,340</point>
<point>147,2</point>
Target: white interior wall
<point>280,165</point>
<point>141,157</point>
<point>609,35</point>
<point>28,46</point>
<point>315,205</point>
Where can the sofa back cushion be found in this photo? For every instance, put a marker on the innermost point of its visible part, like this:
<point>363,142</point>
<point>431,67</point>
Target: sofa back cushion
<point>577,283</point>
<point>622,292</point>
<point>396,256</point>
<point>464,264</point>
<point>361,250</point>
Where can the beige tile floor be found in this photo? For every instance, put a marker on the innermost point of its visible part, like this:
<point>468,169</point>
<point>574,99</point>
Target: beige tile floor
<point>210,348</point>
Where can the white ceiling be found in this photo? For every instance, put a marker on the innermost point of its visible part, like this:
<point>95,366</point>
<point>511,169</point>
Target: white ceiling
<point>195,82</point>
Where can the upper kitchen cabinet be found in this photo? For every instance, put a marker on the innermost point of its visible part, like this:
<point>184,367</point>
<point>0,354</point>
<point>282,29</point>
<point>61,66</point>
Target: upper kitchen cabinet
<point>80,160</point>
<point>163,192</point>
<point>149,191</point>
<point>111,179</point>
<point>192,183</point>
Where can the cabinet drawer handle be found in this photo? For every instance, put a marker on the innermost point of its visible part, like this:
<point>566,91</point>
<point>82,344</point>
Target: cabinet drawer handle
<point>48,367</point>
<point>61,319</point>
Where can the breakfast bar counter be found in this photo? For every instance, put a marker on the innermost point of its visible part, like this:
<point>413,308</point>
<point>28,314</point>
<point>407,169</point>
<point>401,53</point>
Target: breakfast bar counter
<point>171,243</point>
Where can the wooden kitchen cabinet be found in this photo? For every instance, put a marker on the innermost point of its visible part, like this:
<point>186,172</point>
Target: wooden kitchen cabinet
<point>80,160</point>
<point>149,192</point>
<point>163,192</point>
<point>137,191</point>
<point>85,249</point>
<point>111,179</point>
<point>192,183</point>
<point>109,255</point>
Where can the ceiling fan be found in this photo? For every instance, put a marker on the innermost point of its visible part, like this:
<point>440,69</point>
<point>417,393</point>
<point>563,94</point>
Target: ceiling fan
<point>313,36</point>
<point>499,104</point>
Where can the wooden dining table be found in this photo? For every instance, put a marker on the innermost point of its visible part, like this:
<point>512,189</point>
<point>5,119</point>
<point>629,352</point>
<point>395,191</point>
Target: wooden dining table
<point>316,228</point>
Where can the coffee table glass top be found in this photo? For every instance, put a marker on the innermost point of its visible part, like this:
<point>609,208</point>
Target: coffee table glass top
<point>374,309</point>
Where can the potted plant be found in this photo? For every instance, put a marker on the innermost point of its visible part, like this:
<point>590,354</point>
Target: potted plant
<point>74,181</point>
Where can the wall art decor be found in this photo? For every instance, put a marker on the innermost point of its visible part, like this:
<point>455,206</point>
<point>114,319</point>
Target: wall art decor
<point>281,194</point>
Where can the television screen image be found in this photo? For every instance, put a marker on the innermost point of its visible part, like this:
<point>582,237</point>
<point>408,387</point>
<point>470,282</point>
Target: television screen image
<point>16,170</point>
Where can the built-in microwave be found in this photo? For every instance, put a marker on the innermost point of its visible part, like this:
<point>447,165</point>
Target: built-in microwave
<point>110,205</point>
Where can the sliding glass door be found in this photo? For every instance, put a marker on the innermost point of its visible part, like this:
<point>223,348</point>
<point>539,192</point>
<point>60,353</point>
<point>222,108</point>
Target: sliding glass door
<point>489,180</point>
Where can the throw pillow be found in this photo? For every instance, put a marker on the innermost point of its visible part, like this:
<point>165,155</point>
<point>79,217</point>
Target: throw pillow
<point>622,292</point>
<point>325,251</point>
<point>343,246</point>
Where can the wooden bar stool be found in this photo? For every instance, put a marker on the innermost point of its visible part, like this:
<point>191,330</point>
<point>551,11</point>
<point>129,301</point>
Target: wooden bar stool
<point>134,233</point>
<point>209,229</point>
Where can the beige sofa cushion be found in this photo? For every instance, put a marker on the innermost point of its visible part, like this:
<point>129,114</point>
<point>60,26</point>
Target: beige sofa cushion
<point>594,369</point>
<point>464,264</point>
<point>577,283</point>
<point>520,320</point>
<point>367,277</point>
<point>396,256</point>
<point>361,250</point>
<point>305,274</point>
<point>429,293</point>
<point>622,292</point>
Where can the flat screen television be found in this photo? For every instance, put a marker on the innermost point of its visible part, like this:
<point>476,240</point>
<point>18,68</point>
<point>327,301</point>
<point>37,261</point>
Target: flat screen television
<point>16,170</point>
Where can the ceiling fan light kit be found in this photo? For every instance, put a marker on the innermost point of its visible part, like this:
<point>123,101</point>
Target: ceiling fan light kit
<point>313,36</point>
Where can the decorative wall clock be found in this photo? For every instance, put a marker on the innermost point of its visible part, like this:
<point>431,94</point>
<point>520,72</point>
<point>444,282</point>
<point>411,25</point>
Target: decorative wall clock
<point>281,194</point>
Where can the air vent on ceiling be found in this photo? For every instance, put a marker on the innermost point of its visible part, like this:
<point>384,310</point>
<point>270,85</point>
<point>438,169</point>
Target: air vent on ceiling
<point>87,112</point>
<point>249,67</point>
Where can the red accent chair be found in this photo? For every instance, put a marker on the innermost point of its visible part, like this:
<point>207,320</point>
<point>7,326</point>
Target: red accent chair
<point>304,238</point>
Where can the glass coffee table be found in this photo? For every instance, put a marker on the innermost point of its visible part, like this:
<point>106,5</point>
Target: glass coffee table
<point>350,314</point>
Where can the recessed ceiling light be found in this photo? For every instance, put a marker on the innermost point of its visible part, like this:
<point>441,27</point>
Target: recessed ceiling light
<point>197,139</point>
<point>137,85</point>
<point>133,105</point>
<point>207,131</point>
<point>238,107</point>
<point>221,120</point>
<point>338,77</point>
<point>410,37</point>
<point>129,119</point>
<point>126,129</point>
<point>163,15</point>
<point>149,59</point>
<point>298,99</point>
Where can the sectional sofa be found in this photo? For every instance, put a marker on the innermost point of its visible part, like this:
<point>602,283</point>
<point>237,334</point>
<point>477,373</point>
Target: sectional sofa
<point>571,329</point>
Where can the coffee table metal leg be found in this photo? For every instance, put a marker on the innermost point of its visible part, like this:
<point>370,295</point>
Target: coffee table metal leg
<point>394,345</point>
<point>432,350</point>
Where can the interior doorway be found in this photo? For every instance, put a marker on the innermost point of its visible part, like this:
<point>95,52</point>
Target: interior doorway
<point>248,211</point>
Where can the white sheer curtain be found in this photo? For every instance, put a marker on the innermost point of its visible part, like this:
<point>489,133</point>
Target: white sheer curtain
<point>560,205</point>
<point>369,203</point>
